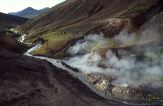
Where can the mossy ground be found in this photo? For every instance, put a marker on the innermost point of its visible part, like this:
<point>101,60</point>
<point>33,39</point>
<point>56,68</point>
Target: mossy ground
<point>54,41</point>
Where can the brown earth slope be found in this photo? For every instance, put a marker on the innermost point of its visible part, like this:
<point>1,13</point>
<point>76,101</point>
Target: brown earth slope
<point>33,82</point>
<point>41,85</point>
<point>9,21</point>
<point>8,38</point>
<point>73,19</point>
<point>11,44</point>
<point>80,16</point>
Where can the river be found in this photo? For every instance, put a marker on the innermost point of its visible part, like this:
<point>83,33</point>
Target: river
<point>58,63</point>
<point>78,75</point>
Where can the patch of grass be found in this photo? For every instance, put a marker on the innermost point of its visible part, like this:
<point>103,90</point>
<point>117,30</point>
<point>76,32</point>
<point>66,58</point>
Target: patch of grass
<point>101,46</point>
<point>108,44</point>
<point>54,41</point>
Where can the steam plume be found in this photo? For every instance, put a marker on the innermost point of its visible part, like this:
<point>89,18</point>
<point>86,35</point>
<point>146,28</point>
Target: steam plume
<point>128,70</point>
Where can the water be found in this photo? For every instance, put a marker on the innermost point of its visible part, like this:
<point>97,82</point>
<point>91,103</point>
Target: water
<point>14,30</point>
<point>80,76</point>
<point>28,53</point>
<point>58,63</point>
<point>22,38</point>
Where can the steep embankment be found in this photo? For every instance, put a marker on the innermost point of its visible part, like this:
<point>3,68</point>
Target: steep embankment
<point>42,84</point>
<point>124,66</point>
<point>11,44</point>
<point>33,82</point>
<point>67,22</point>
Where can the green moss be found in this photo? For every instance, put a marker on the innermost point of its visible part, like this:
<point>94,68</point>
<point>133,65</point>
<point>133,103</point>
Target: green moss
<point>54,41</point>
<point>155,97</point>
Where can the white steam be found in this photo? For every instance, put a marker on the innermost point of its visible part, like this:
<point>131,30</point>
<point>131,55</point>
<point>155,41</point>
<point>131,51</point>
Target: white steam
<point>83,46</point>
<point>127,70</point>
<point>148,35</point>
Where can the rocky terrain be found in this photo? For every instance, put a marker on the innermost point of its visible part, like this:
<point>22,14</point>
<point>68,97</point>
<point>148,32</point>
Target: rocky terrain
<point>28,81</point>
<point>78,18</point>
<point>116,45</point>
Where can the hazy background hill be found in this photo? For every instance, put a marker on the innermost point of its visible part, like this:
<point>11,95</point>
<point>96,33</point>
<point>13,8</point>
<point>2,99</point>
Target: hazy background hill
<point>29,12</point>
<point>9,21</point>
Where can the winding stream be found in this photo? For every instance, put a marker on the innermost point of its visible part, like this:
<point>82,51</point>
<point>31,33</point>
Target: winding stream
<point>58,63</point>
<point>80,76</point>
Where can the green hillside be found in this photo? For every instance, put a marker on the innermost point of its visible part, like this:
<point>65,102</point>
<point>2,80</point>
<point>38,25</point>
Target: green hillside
<point>81,17</point>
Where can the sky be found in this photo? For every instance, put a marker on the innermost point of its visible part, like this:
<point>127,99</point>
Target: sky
<point>7,6</point>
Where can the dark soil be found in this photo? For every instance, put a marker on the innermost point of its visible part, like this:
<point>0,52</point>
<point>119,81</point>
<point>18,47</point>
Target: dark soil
<point>26,81</point>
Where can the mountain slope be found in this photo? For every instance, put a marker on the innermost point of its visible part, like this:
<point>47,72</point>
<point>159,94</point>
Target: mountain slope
<point>9,21</point>
<point>73,19</point>
<point>42,84</point>
<point>78,13</point>
<point>7,38</point>
<point>29,12</point>
<point>10,44</point>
